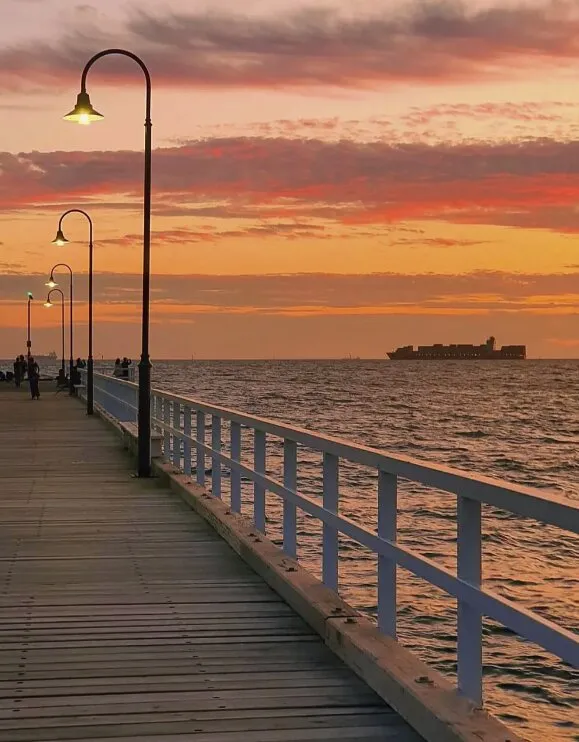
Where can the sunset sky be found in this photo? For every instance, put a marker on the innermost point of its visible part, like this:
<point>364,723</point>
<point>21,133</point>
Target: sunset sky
<point>330,177</point>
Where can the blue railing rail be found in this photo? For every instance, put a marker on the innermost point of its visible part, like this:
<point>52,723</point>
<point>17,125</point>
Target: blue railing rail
<point>182,423</point>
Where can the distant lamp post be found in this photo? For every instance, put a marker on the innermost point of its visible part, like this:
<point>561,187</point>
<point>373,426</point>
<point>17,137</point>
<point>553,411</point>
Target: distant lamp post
<point>48,304</point>
<point>51,283</point>
<point>28,341</point>
<point>84,113</point>
<point>61,240</point>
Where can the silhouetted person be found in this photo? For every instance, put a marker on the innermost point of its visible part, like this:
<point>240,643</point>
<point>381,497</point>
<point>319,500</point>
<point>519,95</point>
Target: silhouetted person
<point>125,367</point>
<point>118,371</point>
<point>76,379</point>
<point>33,378</point>
<point>17,371</point>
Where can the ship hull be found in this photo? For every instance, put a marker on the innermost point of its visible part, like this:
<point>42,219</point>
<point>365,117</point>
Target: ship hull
<point>394,357</point>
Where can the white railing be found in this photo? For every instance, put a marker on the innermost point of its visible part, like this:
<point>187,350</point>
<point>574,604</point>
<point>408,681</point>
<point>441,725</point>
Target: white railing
<point>182,423</point>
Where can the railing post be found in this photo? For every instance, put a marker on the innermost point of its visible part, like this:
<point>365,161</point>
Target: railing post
<point>176,438</point>
<point>235,473</point>
<point>258,489</point>
<point>200,458</point>
<point>187,439</point>
<point>153,412</point>
<point>167,436</point>
<point>215,460</point>
<point>330,534</point>
<point>290,468</point>
<point>469,630</point>
<point>387,513</point>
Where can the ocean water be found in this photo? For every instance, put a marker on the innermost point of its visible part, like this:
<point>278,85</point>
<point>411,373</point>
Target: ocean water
<point>514,420</point>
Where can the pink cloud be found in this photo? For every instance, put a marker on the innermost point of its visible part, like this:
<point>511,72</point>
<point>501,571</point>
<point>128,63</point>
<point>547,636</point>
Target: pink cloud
<point>432,42</point>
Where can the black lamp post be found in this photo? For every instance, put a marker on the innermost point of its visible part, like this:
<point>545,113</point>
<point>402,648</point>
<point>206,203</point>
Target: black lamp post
<point>28,341</point>
<point>60,240</point>
<point>51,283</point>
<point>49,304</point>
<point>84,113</point>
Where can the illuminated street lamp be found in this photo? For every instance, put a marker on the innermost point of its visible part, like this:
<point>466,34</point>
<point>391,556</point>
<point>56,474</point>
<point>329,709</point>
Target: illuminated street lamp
<point>84,113</point>
<point>49,304</point>
<point>51,283</point>
<point>61,240</point>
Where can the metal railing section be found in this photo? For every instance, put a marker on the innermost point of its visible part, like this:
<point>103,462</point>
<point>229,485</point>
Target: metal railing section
<point>117,397</point>
<point>182,423</point>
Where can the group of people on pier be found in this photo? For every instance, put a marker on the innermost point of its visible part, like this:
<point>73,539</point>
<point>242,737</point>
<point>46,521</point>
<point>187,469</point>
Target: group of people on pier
<point>27,368</point>
<point>121,369</point>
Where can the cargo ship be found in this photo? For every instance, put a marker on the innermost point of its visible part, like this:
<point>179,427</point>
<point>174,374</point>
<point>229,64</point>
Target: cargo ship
<point>456,352</point>
<point>41,358</point>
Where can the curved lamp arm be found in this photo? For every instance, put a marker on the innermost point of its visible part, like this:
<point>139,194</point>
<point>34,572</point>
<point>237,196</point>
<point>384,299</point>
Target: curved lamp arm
<point>58,291</point>
<point>84,112</point>
<point>60,236</point>
<point>59,265</point>
<point>124,53</point>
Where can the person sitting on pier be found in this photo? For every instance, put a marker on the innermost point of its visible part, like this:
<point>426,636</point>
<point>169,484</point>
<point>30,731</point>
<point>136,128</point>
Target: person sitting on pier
<point>76,377</point>
<point>125,367</point>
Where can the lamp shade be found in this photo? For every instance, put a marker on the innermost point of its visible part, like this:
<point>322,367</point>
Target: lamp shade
<point>48,304</point>
<point>83,112</point>
<point>51,284</point>
<point>60,239</point>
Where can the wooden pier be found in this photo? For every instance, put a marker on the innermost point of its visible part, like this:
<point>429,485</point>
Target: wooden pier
<point>123,615</point>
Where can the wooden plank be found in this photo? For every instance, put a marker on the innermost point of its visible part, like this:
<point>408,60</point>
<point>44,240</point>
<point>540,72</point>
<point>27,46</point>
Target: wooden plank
<point>126,616</point>
<point>292,723</point>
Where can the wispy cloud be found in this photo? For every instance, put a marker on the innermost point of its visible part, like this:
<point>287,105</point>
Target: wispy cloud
<point>325,293</point>
<point>185,236</point>
<point>434,41</point>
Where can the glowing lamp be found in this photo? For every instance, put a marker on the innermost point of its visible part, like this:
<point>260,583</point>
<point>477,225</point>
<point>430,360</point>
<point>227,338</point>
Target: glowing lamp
<point>59,240</point>
<point>83,112</point>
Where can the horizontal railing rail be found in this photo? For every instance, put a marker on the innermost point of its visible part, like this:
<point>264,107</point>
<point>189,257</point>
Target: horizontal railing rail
<point>182,423</point>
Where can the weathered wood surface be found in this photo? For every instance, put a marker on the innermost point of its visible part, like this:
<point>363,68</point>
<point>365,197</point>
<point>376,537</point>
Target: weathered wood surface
<point>124,616</point>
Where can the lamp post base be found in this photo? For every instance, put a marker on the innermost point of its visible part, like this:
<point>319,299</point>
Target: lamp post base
<point>89,387</point>
<point>71,377</point>
<point>144,418</point>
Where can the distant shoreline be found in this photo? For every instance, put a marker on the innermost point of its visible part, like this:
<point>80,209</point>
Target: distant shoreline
<point>316,360</point>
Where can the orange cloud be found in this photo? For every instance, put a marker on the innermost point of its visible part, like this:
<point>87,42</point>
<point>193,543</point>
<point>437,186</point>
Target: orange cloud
<point>433,41</point>
<point>321,293</point>
<point>532,184</point>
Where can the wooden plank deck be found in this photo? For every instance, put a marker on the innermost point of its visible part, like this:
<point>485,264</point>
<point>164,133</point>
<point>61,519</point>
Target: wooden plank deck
<point>124,616</point>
